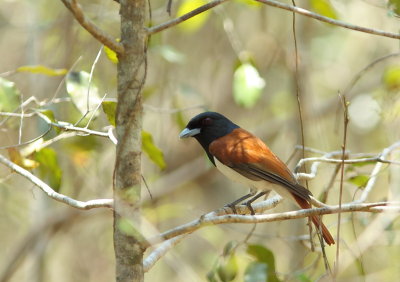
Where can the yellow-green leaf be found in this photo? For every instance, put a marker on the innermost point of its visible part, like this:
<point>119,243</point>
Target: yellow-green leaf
<point>391,78</point>
<point>109,108</point>
<point>49,170</point>
<point>77,87</point>
<point>324,7</point>
<point>394,6</point>
<point>152,151</point>
<point>247,85</point>
<point>359,180</point>
<point>228,268</point>
<point>195,23</point>
<point>9,96</point>
<point>111,55</point>
<point>40,69</point>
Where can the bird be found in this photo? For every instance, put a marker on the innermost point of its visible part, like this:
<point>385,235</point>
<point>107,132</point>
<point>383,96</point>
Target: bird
<point>246,159</point>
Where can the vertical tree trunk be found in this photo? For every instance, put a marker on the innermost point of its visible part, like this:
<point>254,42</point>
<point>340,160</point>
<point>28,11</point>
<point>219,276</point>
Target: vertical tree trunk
<point>127,174</point>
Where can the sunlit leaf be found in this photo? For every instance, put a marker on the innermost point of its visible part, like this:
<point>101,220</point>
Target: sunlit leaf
<point>77,87</point>
<point>256,272</point>
<point>9,96</point>
<point>195,23</point>
<point>17,158</point>
<point>359,180</point>
<point>323,7</point>
<point>110,108</point>
<point>227,268</point>
<point>111,55</point>
<point>391,78</point>
<point>49,169</point>
<point>31,147</point>
<point>264,255</point>
<point>152,151</point>
<point>247,85</point>
<point>39,69</point>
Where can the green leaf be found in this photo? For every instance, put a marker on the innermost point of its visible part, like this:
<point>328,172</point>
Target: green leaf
<point>9,96</point>
<point>40,69</point>
<point>247,85</point>
<point>77,87</point>
<point>110,108</point>
<point>391,78</point>
<point>50,114</point>
<point>256,272</point>
<point>303,278</point>
<point>264,255</point>
<point>359,180</point>
<point>195,23</point>
<point>49,170</point>
<point>360,164</point>
<point>394,5</point>
<point>111,55</point>
<point>324,7</point>
<point>227,268</point>
<point>151,150</point>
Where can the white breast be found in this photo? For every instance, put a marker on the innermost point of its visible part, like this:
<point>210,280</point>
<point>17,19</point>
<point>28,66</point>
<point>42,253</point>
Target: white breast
<point>258,186</point>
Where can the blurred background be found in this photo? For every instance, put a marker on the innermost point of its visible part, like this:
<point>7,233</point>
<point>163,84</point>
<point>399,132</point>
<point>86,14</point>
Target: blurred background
<point>239,60</point>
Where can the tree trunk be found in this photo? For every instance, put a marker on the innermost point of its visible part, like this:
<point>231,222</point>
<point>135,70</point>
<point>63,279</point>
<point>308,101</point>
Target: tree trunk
<point>127,173</point>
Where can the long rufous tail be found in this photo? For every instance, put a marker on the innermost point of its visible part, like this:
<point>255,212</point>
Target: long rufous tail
<point>317,222</point>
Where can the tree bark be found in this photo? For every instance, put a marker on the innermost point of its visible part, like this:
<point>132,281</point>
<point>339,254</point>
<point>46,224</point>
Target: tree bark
<point>127,174</point>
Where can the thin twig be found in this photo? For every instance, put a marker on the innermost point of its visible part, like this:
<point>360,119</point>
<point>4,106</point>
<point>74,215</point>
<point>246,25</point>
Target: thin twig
<point>345,126</point>
<point>319,17</point>
<point>98,203</point>
<point>195,12</point>
<point>94,30</point>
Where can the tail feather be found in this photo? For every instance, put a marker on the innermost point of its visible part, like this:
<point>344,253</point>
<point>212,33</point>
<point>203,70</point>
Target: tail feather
<point>304,204</point>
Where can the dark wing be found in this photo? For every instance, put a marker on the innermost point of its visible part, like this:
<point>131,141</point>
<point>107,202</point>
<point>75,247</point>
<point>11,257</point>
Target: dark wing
<point>249,156</point>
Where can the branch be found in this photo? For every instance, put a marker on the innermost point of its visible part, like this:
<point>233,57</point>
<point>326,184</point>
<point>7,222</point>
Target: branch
<point>98,203</point>
<point>95,31</point>
<point>250,219</point>
<point>184,17</point>
<point>375,172</point>
<point>321,18</point>
<point>158,253</point>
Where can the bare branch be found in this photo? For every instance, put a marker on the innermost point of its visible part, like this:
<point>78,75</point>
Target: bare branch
<point>158,253</point>
<point>233,218</point>
<point>94,30</point>
<point>184,17</point>
<point>321,18</point>
<point>98,203</point>
<point>375,172</point>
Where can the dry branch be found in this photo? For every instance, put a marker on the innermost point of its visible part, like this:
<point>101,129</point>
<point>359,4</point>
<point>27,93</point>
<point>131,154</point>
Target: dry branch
<point>184,17</point>
<point>98,203</point>
<point>94,30</point>
<point>321,18</point>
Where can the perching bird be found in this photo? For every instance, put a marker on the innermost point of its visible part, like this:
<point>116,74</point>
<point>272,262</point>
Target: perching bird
<point>244,158</point>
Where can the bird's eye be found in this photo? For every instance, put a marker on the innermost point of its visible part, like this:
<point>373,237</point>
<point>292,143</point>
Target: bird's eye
<point>207,121</point>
